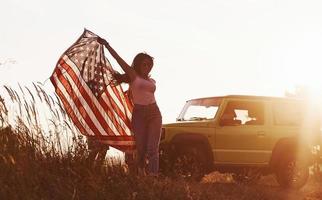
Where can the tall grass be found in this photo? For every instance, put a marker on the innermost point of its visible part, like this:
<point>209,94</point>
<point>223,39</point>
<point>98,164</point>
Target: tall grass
<point>41,114</point>
<point>42,156</point>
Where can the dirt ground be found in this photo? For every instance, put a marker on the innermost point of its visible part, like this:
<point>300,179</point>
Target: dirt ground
<point>311,191</point>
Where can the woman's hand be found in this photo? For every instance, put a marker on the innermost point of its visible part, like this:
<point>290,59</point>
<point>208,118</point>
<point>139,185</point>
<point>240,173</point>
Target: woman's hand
<point>102,41</point>
<point>127,69</point>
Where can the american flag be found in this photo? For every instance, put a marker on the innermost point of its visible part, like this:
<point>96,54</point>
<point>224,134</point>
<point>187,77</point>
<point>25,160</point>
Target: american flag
<point>84,83</point>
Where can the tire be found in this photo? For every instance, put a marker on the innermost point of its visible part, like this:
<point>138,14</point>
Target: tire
<point>292,173</point>
<point>189,163</point>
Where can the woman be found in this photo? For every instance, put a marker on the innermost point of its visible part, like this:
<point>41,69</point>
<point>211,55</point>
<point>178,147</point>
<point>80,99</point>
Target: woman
<point>146,117</point>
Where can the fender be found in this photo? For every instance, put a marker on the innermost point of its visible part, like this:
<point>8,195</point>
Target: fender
<point>288,147</point>
<point>191,139</point>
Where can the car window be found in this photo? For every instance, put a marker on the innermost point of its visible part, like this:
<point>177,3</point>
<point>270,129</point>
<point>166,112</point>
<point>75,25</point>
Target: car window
<point>243,113</point>
<point>200,109</point>
<point>199,112</point>
<point>288,113</point>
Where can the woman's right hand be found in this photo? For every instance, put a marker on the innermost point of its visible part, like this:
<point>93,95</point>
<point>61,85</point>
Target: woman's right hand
<point>127,69</point>
<point>102,41</point>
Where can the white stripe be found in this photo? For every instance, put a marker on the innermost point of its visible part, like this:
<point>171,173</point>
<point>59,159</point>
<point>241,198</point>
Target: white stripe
<point>89,111</point>
<point>120,90</point>
<point>72,105</point>
<point>119,119</point>
<point>88,91</point>
<point>91,114</point>
<point>125,110</point>
<point>93,98</point>
<point>116,100</point>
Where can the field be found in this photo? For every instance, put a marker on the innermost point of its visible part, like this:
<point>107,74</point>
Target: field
<point>37,162</point>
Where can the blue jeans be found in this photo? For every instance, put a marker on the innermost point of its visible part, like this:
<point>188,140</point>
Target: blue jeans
<point>146,125</point>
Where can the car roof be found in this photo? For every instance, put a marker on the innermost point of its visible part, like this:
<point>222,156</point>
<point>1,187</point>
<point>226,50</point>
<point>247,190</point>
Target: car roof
<point>253,97</point>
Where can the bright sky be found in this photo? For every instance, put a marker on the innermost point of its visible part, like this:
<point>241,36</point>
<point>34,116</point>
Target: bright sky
<point>201,48</point>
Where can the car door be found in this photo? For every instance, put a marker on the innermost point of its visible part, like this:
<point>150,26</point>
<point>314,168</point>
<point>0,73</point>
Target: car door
<point>241,134</point>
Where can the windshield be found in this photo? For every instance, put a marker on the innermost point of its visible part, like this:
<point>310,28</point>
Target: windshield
<point>199,109</point>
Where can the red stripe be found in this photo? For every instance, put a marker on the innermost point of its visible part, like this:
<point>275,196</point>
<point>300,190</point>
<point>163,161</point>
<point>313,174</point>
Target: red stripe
<point>127,104</point>
<point>87,98</point>
<point>114,111</point>
<point>68,108</point>
<point>130,148</point>
<point>112,117</point>
<point>111,105</point>
<point>115,138</point>
<point>127,98</point>
<point>114,104</point>
<point>116,92</point>
<point>125,148</point>
<point>116,108</point>
<point>77,102</point>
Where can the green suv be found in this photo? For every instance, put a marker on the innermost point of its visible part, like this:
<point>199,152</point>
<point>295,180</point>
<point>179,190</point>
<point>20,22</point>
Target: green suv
<point>248,136</point>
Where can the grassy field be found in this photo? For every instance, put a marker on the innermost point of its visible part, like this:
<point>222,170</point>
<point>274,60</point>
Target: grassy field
<point>30,172</point>
<point>36,164</point>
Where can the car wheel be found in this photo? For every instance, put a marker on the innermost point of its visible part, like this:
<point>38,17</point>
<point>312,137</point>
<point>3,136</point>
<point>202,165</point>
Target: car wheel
<point>189,163</point>
<point>292,173</point>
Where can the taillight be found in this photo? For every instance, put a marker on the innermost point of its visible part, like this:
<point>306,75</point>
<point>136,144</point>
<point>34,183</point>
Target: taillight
<point>162,133</point>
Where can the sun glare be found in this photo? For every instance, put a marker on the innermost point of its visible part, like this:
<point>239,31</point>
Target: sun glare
<point>305,81</point>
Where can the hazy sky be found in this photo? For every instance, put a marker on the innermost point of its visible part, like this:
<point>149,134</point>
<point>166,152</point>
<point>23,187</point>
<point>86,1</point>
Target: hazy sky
<point>201,48</point>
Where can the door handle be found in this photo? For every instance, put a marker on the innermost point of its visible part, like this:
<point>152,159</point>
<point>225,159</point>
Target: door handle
<point>261,133</point>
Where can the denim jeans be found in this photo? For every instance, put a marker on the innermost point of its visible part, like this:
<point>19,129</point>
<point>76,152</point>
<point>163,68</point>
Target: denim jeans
<point>146,124</point>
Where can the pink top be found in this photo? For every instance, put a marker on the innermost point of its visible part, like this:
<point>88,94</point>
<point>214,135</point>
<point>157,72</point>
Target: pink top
<point>143,91</point>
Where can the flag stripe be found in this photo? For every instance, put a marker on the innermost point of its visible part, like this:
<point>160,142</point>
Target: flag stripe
<point>116,138</point>
<point>70,104</point>
<point>116,120</point>
<point>108,99</point>
<point>97,107</point>
<point>118,97</point>
<point>68,107</point>
<point>69,63</point>
<point>128,105</point>
<point>93,103</point>
<point>118,142</point>
<point>117,105</point>
<point>82,106</point>
<point>84,83</point>
<point>125,123</point>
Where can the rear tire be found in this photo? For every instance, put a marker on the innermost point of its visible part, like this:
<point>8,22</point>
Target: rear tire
<point>292,173</point>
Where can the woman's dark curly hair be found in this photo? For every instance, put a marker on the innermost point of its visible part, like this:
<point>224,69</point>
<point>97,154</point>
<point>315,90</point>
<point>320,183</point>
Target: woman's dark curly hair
<point>124,78</point>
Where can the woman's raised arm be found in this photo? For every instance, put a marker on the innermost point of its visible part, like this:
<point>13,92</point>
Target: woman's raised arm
<point>127,69</point>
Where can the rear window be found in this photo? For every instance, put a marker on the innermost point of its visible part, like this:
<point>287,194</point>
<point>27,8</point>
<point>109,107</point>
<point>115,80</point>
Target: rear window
<point>288,113</point>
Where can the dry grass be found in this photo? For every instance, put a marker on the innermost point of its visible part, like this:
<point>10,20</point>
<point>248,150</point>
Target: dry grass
<point>45,158</point>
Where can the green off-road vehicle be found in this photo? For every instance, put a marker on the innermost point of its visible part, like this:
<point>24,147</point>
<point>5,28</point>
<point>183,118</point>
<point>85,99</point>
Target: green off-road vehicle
<point>248,136</point>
